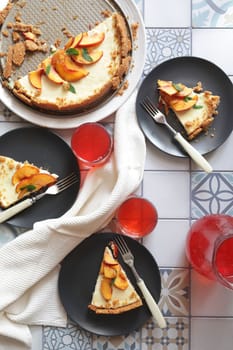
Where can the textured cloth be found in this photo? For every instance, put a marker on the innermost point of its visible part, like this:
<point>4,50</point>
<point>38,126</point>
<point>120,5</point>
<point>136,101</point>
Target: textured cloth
<point>29,265</point>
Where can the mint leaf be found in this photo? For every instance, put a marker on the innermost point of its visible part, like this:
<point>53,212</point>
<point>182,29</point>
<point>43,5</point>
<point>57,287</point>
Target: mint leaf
<point>72,89</point>
<point>72,51</point>
<point>187,98</point>
<point>29,188</point>
<point>178,87</point>
<point>47,69</point>
<point>86,55</point>
<point>197,106</point>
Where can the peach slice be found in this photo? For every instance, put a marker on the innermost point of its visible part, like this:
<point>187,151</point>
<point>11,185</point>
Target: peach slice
<point>66,67</point>
<point>109,260</point>
<point>180,105</point>
<point>88,56</point>
<point>167,87</point>
<point>50,71</point>
<point>73,41</point>
<point>106,288</point>
<point>35,78</point>
<point>24,171</point>
<point>35,182</point>
<point>120,281</point>
<point>185,92</point>
<point>91,39</point>
<point>109,272</point>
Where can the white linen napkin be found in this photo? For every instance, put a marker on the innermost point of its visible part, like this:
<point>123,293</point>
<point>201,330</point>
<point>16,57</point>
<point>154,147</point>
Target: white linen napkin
<point>29,265</point>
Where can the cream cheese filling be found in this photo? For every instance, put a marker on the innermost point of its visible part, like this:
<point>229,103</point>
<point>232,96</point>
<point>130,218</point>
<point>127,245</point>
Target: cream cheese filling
<point>100,73</point>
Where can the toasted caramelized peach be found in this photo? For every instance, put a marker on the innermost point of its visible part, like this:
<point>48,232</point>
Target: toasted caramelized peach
<point>91,39</point>
<point>106,288</point>
<point>35,78</point>
<point>67,68</point>
<point>87,56</point>
<point>25,171</point>
<point>76,40</point>
<point>37,181</point>
<point>185,92</point>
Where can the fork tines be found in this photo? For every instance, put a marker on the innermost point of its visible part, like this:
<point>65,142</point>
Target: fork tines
<point>121,243</point>
<point>148,105</point>
<point>67,181</point>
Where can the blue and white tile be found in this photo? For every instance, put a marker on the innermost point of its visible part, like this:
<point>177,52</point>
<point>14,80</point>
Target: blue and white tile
<point>164,44</point>
<point>212,13</point>
<point>212,194</point>
<point>131,341</point>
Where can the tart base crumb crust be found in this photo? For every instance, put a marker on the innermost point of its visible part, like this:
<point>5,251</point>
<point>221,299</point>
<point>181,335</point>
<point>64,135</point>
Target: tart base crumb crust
<point>117,46</point>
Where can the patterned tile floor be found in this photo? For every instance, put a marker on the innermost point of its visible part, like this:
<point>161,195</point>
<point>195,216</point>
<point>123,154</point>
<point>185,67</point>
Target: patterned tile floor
<point>166,38</point>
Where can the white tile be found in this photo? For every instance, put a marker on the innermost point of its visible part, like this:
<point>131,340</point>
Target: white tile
<point>221,159</point>
<point>169,191</point>
<point>211,334</point>
<point>158,160</point>
<point>167,243</point>
<point>214,45</point>
<point>209,298</point>
<point>167,13</point>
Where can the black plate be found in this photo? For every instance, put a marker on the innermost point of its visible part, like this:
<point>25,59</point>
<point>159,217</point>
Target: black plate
<point>77,281</point>
<point>49,151</point>
<point>188,70</point>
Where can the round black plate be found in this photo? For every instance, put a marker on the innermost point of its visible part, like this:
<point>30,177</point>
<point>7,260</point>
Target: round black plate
<point>49,151</point>
<point>77,281</point>
<point>188,70</point>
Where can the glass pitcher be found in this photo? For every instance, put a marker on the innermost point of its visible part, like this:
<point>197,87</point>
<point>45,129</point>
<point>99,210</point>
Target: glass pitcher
<point>209,248</point>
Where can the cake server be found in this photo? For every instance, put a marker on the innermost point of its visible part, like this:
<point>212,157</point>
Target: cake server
<point>58,187</point>
<point>128,258</point>
<point>160,118</point>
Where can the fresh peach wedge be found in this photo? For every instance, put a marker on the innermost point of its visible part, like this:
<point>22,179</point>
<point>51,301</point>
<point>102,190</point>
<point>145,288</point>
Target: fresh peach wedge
<point>50,71</point>
<point>35,78</point>
<point>106,288</point>
<point>167,87</point>
<point>120,281</point>
<point>23,172</point>
<point>186,91</point>
<point>91,39</point>
<point>180,105</point>
<point>67,68</point>
<point>87,56</point>
<point>109,272</point>
<point>35,182</point>
<point>109,260</point>
<point>73,41</point>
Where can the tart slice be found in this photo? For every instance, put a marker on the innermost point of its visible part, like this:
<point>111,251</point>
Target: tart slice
<point>194,108</point>
<point>113,293</point>
<point>18,180</point>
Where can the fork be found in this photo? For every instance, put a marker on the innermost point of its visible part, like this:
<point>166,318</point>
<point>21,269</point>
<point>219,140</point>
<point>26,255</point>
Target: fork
<point>128,258</point>
<point>160,118</point>
<point>58,187</point>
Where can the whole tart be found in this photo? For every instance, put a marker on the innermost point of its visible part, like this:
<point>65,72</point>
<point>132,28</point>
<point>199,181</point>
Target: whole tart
<point>89,67</point>
<point>113,292</point>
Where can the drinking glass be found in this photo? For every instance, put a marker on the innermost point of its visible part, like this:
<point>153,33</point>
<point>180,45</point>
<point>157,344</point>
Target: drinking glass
<point>209,248</point>
<point>136,217</point>
<point>92,144</point>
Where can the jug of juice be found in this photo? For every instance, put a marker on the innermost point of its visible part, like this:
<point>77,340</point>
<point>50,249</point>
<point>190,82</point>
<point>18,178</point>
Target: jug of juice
<point>209,248</point>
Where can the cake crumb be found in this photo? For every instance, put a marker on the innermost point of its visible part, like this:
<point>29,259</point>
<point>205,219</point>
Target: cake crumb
<point>18,53</point>
<point>7,71</point>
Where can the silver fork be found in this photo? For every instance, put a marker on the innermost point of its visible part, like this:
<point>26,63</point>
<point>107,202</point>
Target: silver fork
<point>160,118</point>
<point>128,258</point>
<point>58,187</point>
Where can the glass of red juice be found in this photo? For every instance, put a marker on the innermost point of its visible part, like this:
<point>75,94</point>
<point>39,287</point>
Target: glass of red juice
<point>209,248</point>
<point>92,144</point>
<point>136,217</point>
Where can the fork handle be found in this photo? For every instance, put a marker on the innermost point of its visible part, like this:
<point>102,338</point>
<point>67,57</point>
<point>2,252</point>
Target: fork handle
<point>15,209</point>
<point>194,154</point>
<point>151,303</point>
